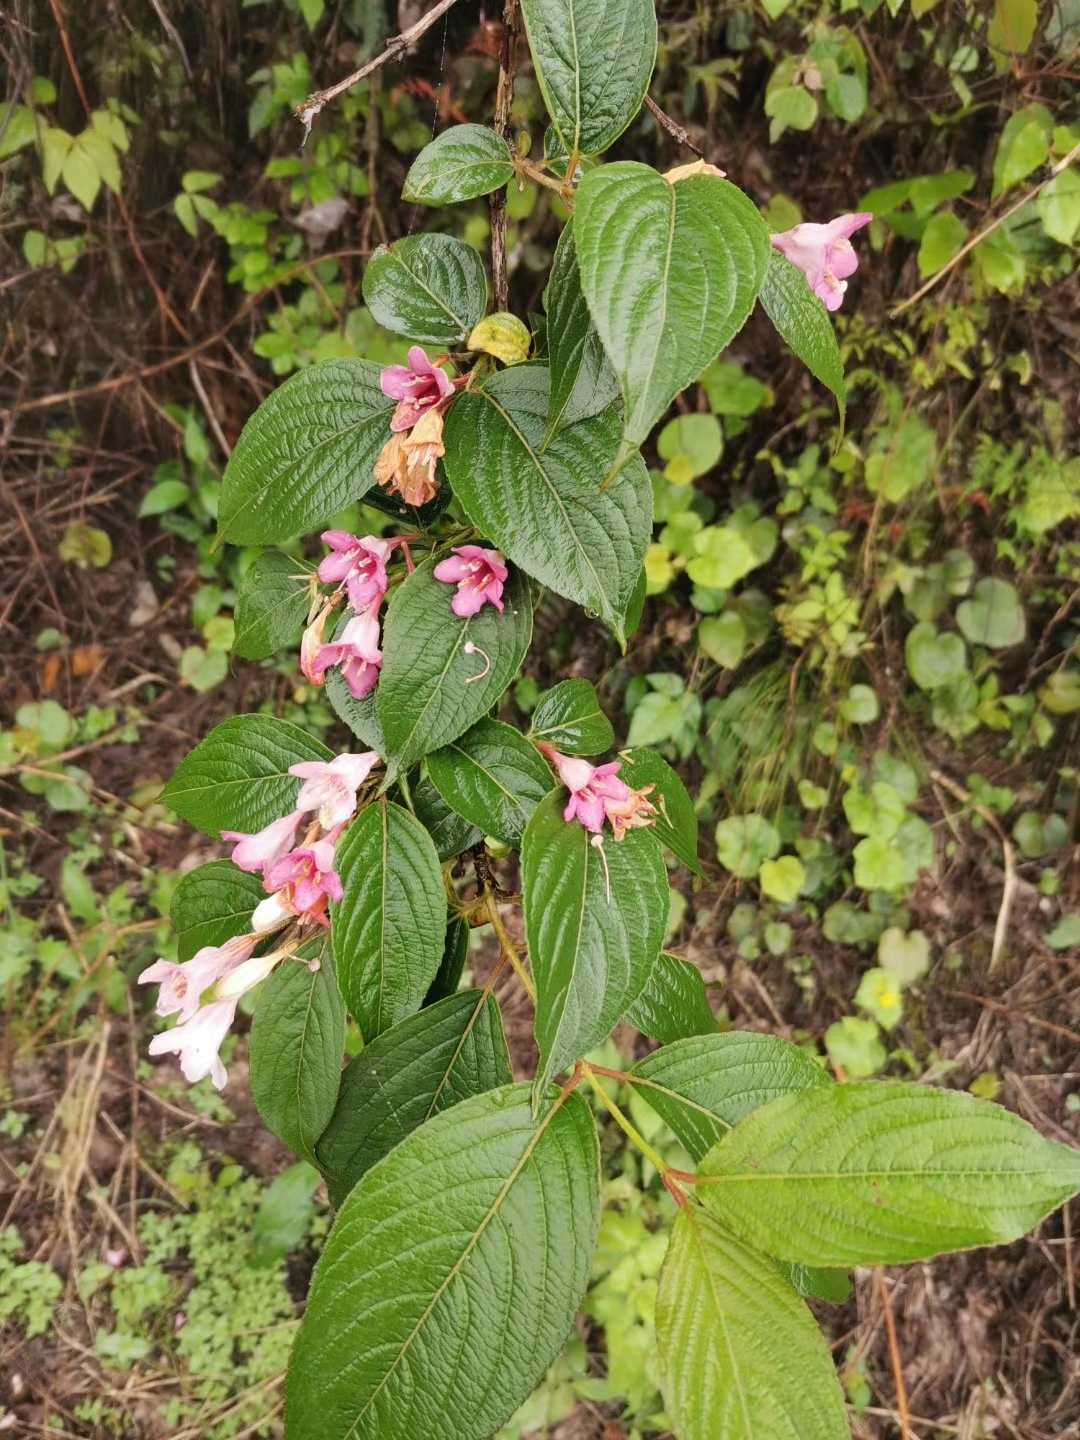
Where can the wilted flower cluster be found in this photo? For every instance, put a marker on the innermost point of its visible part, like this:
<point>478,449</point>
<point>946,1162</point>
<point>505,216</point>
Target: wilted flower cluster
<point>409,459</point>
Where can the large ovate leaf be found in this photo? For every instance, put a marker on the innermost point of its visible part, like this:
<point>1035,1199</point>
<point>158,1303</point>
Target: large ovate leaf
<point>670,272</point>
<point>448,1052</point>
<point>297,1042</point>
<point>704,1085</point>
<point>450,832</point>
<point>593,61</point>
<point>493,777</point>
<point>569,717</point>
<point>388,930</point>
<point>428,287</point>
<point>879,1173</point>
<point>271,606</point>
<point>582,381</point>
<point>803,322</point>
<point>442,673</point>
<point>673,1003</point>
<point>594,922</point>
<point>676,823</point>
<point>542,504</point>
<point>741,1357</point>
<point>460,164</point>
<point>212,904</point>
<point>451,1278</point>
<point>307,452</point>
<point>238,777</point>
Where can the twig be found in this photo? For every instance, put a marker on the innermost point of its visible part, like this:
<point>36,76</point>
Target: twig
<point>208,409</point>
<point>1037,190</point>
<point>173,34</point>
<point>1061,1030</point>
<point>507,945</point>
<point>673,128</point>
<point>307,111</point>
<point>894,1354</point>
<point>1008,892</point>
<point>504,95</point>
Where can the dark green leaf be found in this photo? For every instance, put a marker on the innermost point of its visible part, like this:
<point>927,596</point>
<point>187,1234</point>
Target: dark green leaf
<point>460,164</point>
<point>673,1004</point>
<point>676,823</point>
<point>212,904</point>
<point>271,607</point>
<point>582,381</point>
<point>450,833</point>
<point>452,966</point>
<point>493,777</point>
<point>569,717</point>
<point>428,287</point>
<point>802,320</point>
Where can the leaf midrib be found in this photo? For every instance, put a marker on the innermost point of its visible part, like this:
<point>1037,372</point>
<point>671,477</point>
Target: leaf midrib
<point>412,274</point>
<point>565,990</point>
<point>718,1308</point>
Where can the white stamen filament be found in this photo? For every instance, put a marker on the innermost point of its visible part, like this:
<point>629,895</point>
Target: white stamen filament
<point>471,649</point>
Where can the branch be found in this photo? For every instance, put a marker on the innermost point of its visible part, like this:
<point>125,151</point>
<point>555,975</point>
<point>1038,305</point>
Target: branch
<point>504,96</point>
<point>674,129</point>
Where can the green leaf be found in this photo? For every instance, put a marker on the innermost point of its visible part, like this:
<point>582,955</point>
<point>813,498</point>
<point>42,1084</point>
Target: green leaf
<point>1059,207</point>
<point>569,717</point>
<point>803,323</point>
<point>676,824</point>
<point>543,504</point>
<point>723,638</point>
<point>400,1337</point>
<point>743,842</point>
<point>934,658</point>
<point>789,107</point>
<point>452,965</point>
<point>85,546</point>
<point>593,61</point>
<point>943,237</point>
<point>901,460</point>
<point>297,1043</point>
<point>271,606</point>
<point>993,616</point>
<point>493,777</point>
<point>18,127</point>
<point>671,273</point>
<point>595,922</point>
<point>582,381</point>
<point>427,287</point>
<point>447,1053</point>
<point>1023,146</point>
<point>673,1004</point>
<point>211,904</point>
<point>449,832</point>
<point>1012,27</point>
<point>238,777</point>
<point>55,145</point>
<point>884,1173</point>
<point>460,164</point>
<point>740,1355</point>
<point>80,171</point>
<point>905,956</point>
<point>782,879</point>
<point>703,1086</point>
<point>697,439</point>
<point>388,931</point>
<point>429,691</point>
<point>306,453</point>
<point>284,1214</point>
<point>166,495</point>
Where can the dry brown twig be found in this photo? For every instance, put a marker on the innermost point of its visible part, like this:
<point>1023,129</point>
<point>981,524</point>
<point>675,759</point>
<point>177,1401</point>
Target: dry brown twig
<point>1008,893</point>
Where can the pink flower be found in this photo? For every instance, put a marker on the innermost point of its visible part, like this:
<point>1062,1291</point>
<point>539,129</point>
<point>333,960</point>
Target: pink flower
<point>360,563</point>
<point>479,575</point>
<point>825,254</point>
<point>597,794</point>
<point>330,786</point>
<point>198,1040</point>
<point>271,914</point>
<point>255,852</point>
<point>357,652</point>
<point>417,387</point>
<point>181,985</point>
<point>305,879</point>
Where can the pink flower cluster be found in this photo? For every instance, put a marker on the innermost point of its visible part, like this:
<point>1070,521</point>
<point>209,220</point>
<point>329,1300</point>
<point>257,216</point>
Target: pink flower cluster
<point>598,795</point>
<point>479,575</point>
<point>825,254</point>
<point>300,879</point>
<point>408,461</point>
<point>357,566</point>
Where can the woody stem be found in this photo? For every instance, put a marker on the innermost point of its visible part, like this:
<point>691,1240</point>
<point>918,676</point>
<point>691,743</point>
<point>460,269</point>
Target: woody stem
<point>507,945</point>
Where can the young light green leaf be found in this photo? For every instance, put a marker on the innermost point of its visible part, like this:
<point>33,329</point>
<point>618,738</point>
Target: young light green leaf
<point>493,777</point>
<point>427,287</point>
<point>448,1052</point>
<point>460,164</point>
<point>671,273</point>
<point>803,322</point>
<point>389,928</point>
<point>569,717</point>
<point>542,502</point>
<point>882,1173</point>
<point>582,381</point>
<point>307,452</point>
<point>740,1355</point>
<point>594,920</point>
<point>593,61</point>
<point>238,777</point>
<point>674,1003</point>
<point>704,1085</point>
<point>297,1042</point>
<point>441,673</point>
<point>271,605</point>
<point>676,823</point>
<point>212,904</point>
<point>284,1215</point>
<point>400,1337</point>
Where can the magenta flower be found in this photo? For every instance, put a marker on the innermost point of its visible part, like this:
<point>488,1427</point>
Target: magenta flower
<point>417,387</point>
<point>330,786</point>
<point>597,794</point>
<point>358,654</point>
<point>479,575</point>
<point>254,853</point>
<point>198,1040</point>
<point>306,879</point>
<point>825,254</point>
<point>358,561</point>
<point>182,985</point>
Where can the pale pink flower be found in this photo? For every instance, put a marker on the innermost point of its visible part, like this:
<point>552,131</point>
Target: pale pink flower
<point>357,652</point>
<point>597,794</point>
<point>245,977</point>
<point>330,786</point>
<point>825,254</point>
<point>198,1040</point>
<point>271,914</point>
<point>182,985</point>
<point>254,852</point>
<point>358,561</point>
<point>306,880</point>
<point>479,575</point>
<point>417,387</point>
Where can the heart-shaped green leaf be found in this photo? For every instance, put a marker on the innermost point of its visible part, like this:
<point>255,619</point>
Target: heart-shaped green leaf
<point>993,616</point>
<point>934,658</point>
